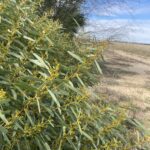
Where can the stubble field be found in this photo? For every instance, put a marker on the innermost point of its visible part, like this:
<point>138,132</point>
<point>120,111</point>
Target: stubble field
<point>126,79</point>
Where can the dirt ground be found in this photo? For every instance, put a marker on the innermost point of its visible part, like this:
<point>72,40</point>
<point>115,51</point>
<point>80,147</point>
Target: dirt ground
<point>126,81</point>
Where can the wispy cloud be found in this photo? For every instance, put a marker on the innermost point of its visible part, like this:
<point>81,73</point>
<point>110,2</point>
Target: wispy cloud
<point>140,32</point>
<point>125,21</point>
<point>120,29</point>
<point>112,10</point>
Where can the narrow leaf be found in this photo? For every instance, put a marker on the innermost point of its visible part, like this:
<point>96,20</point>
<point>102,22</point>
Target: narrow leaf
<point>75,56</point>
<point>87,136</point>
<point>55,100</point>
<point>28,38</point>
<point>2,116</point>
<point>80,80</point>
<point>47,146</point>
<point>38,104</point>
<point>98,67</point>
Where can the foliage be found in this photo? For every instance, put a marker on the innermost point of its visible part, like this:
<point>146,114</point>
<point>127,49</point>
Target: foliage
<point>67,12</point>
<point>43,96</point>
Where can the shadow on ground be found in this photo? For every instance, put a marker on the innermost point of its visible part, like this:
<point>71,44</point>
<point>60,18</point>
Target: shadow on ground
<point>126,81</point>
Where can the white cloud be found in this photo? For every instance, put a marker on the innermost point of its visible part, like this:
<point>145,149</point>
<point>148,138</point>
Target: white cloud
<point>115,9</point>
<point>120,29</point>
<point>106,7</point>
<point>142,10</point>
<point>140,32</point>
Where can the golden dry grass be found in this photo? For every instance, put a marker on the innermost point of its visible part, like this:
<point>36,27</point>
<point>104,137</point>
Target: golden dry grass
<point>126,78</point>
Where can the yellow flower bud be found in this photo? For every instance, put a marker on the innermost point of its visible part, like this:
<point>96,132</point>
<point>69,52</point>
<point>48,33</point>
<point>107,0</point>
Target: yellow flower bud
<point>2,93</point>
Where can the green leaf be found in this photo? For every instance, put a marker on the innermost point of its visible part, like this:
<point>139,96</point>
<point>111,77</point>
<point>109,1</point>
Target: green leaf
<point>87,136</point>
<point>14,94</point>
<point>38,104</point>
<point>28,38</point>
<point>15,55</point>
<point>80,81</point>
<point>6,138</point>
<point>48,110</point>
<point>98,67</point>
<point>55,100</point>
<point>2,116</point>
<point>75,56</point>
<point>50,42</point>
<point>6,20</point>
<point>18,126</point>
<point>20,43</point>
<point>3,130</point>
<point>4,82</point>
<point>36,62</point>
<point>46,146</point>
<point>40,62</point>
<point>37,139</point>
<point>29,118</point>
<point>71,144</point>
<point>18,146</point>
<point>25,86</point>
<point>70,86</point>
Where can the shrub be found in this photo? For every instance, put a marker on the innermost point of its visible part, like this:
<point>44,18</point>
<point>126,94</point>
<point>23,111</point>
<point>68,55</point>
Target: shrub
<point>67,11</point>
<point>43,96</point>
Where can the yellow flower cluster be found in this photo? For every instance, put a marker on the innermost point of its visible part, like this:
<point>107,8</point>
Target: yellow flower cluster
<point>114,124</point>
<point>85,95</point>
<point>54,72</point>
<point>113,144</point>
<point>147,138</point>
<point>1,6</point>
<point>37,128</point>
<point>2,94</point>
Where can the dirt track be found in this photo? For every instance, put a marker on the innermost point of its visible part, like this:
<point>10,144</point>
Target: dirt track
<point>126,81</point>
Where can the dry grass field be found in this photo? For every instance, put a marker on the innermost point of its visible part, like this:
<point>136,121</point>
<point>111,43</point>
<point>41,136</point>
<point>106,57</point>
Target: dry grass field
<point>126,79</point>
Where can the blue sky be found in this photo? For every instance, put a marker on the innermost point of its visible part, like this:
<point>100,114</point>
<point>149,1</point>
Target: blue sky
<point>128,21</point>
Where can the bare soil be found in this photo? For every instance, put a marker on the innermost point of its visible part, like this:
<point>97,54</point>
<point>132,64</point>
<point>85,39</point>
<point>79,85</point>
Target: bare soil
<point>126,81</point>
